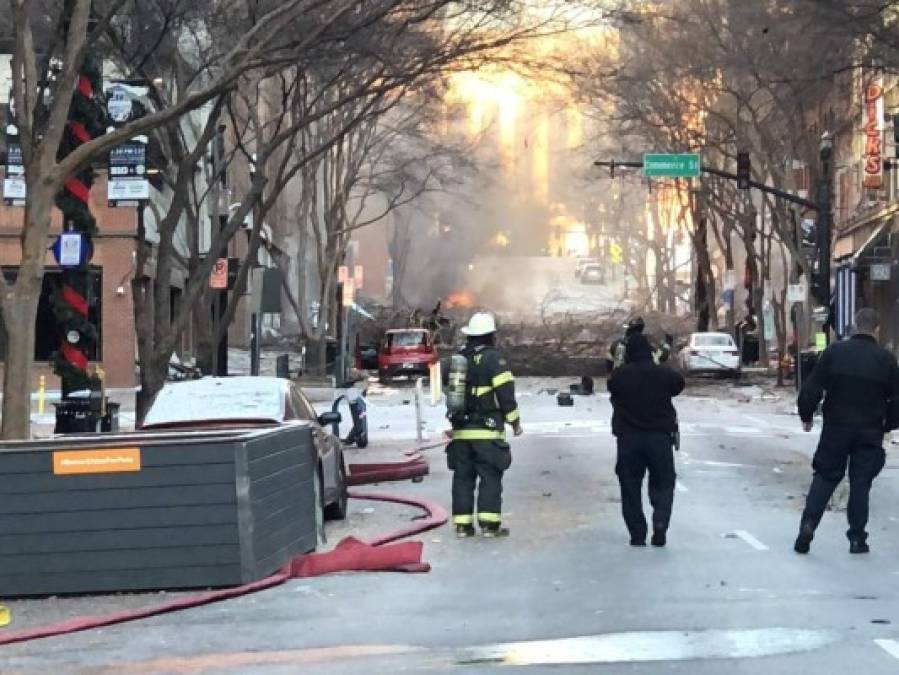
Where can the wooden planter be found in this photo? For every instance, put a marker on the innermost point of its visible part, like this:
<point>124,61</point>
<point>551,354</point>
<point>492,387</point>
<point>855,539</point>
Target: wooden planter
<point>152,510</point>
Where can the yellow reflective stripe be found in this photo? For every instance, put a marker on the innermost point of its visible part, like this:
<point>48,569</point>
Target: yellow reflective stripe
<point>480,391</point>
<point>478,435</point>
<point>513,416</point>
<point>503,378</point>
<point>463,520</point>
<point>489,517</point>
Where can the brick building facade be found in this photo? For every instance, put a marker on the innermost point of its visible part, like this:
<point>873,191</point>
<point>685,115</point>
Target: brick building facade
<point>112,309</point>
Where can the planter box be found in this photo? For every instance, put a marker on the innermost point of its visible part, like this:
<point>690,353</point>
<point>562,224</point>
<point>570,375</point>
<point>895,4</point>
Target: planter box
<point>154,510</point>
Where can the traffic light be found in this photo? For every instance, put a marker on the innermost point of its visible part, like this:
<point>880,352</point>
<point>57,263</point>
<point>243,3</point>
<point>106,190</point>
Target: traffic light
<point>744,170</point>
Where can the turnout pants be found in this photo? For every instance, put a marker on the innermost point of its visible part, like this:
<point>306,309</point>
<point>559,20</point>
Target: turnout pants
<point>638,453</point>
<point>861,449</point>
<point>478,466</point>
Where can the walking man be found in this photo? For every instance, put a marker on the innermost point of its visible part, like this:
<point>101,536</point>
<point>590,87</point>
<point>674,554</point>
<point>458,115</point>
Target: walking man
<point>645,423</point>
<point>478,454</point>
<point>859,381</point>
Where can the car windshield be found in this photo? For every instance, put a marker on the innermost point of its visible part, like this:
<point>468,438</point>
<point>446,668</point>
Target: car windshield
<point>407,339</point>
<point>218,399</point>
<point>713,341</point>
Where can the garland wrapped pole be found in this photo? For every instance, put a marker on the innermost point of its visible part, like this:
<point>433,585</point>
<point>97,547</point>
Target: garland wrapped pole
<point>73,250</point>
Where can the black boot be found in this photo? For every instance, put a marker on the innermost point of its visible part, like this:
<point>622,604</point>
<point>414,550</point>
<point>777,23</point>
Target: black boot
<point>859,546</point>
<point>804,540</point>
<point>463,531</point>
<point>638,541</point>
<point>491,530</point>
<point>659,536</point>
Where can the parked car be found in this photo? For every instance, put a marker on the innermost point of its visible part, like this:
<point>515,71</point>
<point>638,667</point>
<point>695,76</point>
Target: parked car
<point>711,353</point>
<point>581,264</point>
<point>406,352</point>
<point>592,274</point>
<point>248,402</point>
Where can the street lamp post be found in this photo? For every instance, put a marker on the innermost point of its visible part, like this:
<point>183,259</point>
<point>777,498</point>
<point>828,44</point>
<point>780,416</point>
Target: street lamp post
<point>825,220</point>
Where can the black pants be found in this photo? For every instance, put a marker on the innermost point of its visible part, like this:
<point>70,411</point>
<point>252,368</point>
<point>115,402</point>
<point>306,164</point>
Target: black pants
<point>471,462</point>
<point>636,454</point>
<point>861,449</point>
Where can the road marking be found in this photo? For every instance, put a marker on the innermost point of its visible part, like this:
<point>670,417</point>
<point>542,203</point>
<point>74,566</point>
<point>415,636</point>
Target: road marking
<point>680,487</point>
<point>710,462</point>
<point>648,646</point>
<point>752,541</point>
<point>742,430</point>
<point>891,647</point>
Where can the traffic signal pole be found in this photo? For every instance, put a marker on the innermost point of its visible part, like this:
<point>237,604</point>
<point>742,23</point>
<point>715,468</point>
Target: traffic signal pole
<point>761,187</point>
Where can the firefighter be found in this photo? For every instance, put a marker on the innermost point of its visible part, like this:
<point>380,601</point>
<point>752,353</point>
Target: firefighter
<point>636,326</point>
<point>479,454</point>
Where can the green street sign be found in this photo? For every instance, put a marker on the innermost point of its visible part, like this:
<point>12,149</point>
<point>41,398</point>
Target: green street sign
<point>671,165</point>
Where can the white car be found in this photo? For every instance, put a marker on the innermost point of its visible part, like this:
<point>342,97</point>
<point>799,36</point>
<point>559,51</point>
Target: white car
<point>583,263</point>
<point>592,274</point>
<point>711,353</point>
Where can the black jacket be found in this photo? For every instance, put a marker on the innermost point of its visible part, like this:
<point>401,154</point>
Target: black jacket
<point>861,381</point>
<point>641,397</point>
<point>490,401</point>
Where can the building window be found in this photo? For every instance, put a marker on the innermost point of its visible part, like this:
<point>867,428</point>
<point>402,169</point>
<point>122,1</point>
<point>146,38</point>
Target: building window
<point>47,338</point>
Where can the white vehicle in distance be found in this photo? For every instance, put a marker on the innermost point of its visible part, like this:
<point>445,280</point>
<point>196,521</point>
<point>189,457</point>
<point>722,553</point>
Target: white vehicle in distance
<point>711,353</point>
<point>592,274</point>
<point>581,264</point>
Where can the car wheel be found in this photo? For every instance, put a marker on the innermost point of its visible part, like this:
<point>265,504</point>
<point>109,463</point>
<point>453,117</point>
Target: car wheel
<point>338,510</point>
<point>382,377</point>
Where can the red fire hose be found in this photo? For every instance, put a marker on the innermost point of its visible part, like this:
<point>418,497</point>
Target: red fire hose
<point>351,554</point>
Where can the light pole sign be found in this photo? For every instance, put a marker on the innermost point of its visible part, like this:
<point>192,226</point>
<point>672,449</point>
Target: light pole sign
<point>671,165</point>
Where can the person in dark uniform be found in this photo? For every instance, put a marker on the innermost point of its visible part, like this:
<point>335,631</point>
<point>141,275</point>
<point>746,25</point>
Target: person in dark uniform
<point>645,423</point>
<point>859,381</point>
<point>617,351</point>
<point>479,454</point>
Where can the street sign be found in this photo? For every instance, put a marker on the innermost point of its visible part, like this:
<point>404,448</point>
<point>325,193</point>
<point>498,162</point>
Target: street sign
<point>795,293</point>
<point>671,165</point>
<point>880,271</point>
<point>218,280</point>
<point>616,252</point>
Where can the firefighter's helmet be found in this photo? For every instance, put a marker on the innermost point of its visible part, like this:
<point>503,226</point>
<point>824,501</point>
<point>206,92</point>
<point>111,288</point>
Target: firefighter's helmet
<point>480,323</point>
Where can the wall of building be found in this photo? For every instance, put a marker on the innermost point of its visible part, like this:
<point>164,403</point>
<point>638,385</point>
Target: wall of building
<point>114,253</point>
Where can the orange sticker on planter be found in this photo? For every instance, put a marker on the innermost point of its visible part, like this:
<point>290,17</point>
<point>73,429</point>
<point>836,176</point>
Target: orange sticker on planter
<point>96,461</point>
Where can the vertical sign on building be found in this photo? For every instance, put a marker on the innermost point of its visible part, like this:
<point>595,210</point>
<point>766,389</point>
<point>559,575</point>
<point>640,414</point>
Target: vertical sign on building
<point>14,190</point>
<point>873,126</point>
<point>127,183</point>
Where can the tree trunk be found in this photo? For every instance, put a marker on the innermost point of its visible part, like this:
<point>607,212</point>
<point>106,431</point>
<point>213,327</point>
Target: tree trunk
<point>19,317</point>
<point>152,380</point>
<point>204,332</point>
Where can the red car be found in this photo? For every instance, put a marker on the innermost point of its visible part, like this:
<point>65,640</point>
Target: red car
<point>407,351</point>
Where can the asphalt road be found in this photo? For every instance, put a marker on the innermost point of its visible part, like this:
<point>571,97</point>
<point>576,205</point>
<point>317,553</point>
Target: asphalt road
<point>565,593</point>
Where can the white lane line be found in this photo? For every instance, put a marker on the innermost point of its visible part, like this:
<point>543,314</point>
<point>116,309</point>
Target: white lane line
<point>752,541</point>
<point>891,647</point>
<point>742,430</point>
<point>680,487</point>
<point>710,462</point>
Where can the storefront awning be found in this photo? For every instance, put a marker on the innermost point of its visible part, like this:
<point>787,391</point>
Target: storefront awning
<point>877,235</point>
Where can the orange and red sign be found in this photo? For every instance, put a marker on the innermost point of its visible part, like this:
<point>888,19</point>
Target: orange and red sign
<point>873,118</point>
<point>113,460</point>
<point>218,280</point>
